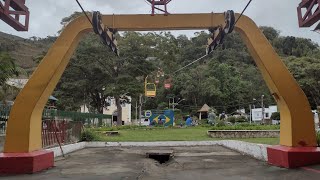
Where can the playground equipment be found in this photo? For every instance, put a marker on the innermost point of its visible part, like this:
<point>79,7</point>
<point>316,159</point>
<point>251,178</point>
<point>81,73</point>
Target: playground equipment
<point>23,152</point>
<point>150,88</point>
<point>164,118</point>
<point>168,83</point>
<point>12,11</point>
<point>309,13</point>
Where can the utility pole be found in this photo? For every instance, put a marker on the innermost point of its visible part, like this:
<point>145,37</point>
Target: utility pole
<point>173,105</point>
<point>136,110</point>
<point>262,106</point>
<point>140,108</point>
<point>250,116</point>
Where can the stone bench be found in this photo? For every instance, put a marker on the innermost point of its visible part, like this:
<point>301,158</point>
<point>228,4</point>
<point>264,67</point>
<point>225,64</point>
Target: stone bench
<point>111,133</point>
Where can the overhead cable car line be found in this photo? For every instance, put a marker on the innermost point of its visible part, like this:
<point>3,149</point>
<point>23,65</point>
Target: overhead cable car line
<point>212,51</point>
<point>84,12</point>
<point>243,11</point>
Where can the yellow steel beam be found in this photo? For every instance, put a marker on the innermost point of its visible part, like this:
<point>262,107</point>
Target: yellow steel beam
<point>24,125</point>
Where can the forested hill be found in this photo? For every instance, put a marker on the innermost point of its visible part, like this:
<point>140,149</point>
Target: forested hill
<point>226,80</point>
<point>24,50</point>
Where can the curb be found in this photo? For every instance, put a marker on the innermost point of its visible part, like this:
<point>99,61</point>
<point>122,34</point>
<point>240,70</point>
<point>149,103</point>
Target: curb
<point>257,151</point>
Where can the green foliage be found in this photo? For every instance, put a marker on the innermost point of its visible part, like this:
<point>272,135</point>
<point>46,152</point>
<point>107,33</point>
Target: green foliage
<point>241,119</point>
<point>180,122</point>
<point>224,79</point>
<point>7,67</point>
<point>318,138</point>
<point>231,119</point>
<point>220,124</point>
<point>244,126</point>
<point>116,128</point>
<point>89,135</point>
<point>203,121</point>
<point>275,116</point>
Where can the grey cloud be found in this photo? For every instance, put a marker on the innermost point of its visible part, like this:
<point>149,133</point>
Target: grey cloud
<point>47,14</point>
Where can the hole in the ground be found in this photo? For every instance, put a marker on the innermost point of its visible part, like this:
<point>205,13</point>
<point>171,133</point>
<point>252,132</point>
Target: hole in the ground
<point>160,157</point>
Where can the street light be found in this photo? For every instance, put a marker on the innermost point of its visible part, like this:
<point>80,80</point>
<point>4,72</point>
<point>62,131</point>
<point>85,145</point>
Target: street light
<point>262,96</point>
<point>175,104</point>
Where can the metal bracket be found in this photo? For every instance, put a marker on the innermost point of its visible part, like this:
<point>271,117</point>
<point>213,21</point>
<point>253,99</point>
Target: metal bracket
<point>106,34</point>
<point>11,11</point>
<point>218,33</point>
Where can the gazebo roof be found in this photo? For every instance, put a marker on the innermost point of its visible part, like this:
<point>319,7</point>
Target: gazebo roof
<point>205,108</point>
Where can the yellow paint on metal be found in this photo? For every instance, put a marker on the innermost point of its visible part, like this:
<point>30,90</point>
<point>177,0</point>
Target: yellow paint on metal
<point>24,125</point>
<point>150,89</point>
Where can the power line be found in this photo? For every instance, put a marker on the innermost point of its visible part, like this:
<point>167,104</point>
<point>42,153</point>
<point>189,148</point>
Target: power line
<point>212,51</point>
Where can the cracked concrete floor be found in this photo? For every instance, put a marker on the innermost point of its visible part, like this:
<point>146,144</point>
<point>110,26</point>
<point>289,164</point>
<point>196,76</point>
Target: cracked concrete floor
<point>200,162</point>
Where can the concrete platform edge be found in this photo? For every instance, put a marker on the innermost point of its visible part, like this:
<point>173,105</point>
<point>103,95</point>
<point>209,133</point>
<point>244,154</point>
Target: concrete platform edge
<point>258,151</point>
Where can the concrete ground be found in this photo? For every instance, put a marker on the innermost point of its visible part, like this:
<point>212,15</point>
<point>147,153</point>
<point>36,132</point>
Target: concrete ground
<point>194,163</point>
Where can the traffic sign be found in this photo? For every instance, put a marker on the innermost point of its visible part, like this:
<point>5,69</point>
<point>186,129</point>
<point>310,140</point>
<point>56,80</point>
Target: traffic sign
<point>148,113</point>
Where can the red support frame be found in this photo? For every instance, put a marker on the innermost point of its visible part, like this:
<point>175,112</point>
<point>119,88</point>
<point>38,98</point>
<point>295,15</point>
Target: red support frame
<point>155,4</point>
<point>308,12</point>
<point>11,12</point>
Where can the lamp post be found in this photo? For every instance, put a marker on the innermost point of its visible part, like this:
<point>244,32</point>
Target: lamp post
<point>175,104</point>
<point>262,106</point>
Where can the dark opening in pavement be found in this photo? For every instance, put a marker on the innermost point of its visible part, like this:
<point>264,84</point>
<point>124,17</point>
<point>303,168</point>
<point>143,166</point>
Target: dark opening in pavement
<point>160,156</point>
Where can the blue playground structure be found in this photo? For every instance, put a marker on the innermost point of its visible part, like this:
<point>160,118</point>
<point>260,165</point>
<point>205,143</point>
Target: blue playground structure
<point>159,117</point>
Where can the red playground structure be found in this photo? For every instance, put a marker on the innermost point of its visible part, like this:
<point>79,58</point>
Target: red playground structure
<point>15,13</point>
<point>160,5</point>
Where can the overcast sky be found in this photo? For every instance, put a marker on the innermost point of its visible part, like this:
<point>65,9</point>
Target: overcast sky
<point>280,14</point>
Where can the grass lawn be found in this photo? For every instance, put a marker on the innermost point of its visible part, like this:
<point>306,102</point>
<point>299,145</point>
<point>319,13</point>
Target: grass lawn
<point>167,134</point>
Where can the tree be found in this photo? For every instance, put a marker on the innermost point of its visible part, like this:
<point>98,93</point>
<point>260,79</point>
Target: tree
<point>7,68</point>
<point>270,33</point>
<point>275,116</point>
<point>306,70</point>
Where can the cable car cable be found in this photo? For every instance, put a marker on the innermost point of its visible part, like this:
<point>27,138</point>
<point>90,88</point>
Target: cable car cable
<point>243,11</point>
<point>84,12</point>
<point>212,51</point>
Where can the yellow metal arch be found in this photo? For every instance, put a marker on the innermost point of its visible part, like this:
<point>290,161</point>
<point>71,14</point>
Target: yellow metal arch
<point>24,125</point>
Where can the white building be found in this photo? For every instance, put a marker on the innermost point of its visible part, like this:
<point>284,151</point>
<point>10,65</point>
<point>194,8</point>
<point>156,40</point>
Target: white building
<point>18,83</point>
<point>257,113</point>
<point>112,110</point>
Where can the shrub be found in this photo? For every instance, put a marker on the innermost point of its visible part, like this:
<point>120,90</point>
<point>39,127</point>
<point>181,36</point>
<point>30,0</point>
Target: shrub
<point>241,119</point>
<point>275,116</point>
<point>231,119</point>
<point>89,135</point>
<point>318,138</point>
<point>221,124</point>
<point>245,126</point>
<point>180,122</point>
<point>203,121</point>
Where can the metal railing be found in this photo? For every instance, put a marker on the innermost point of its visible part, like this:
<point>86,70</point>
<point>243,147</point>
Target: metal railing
<point>90,119</point>
<point>60,132</point>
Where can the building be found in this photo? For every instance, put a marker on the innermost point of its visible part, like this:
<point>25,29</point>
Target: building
<point>257,113</point>
<point>18,83</point>
<point>112,109</point>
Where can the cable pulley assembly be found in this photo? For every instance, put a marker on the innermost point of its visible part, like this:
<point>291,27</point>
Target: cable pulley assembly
<point>218,33</point>
<point>106,34</point>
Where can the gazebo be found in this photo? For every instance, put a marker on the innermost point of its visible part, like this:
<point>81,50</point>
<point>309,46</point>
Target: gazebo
<point>204,111</point>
